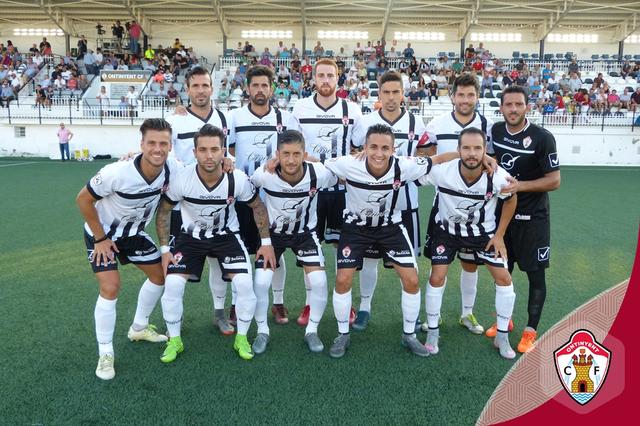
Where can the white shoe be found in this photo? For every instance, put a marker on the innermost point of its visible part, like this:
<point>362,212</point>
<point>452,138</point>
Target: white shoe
<point>105,369</point>
<point>148,333</point>
<point>471,323</point>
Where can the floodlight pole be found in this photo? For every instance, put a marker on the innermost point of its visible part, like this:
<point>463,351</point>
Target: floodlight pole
<point>542,49</point>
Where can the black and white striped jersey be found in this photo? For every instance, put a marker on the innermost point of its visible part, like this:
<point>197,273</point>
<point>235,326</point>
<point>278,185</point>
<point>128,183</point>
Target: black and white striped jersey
<point>126,199</point>
<point>466,210</point>
<point>372,201</point>
<point>444,129</point>
<point>184,128</point>
<point>292,208</point>
<point>209,211</point>
<point>407,130</point>
<point>255,138</point>
<point>331,132</point>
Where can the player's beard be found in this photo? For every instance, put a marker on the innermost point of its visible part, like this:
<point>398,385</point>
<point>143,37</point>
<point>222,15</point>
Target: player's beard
<point>466,111</point>
<point>201,102</point>
<point>259,100</point>
<point>326,90</point>
<point>210,168</point>
<point>470,166</point>
<point>515,120</point>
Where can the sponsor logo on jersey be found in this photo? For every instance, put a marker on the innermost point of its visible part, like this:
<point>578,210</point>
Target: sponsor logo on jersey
<point>261,139</point>
<point>553,159</point>
<point>582,365</point>
<point>508,161</point>
<point>543,253</point>
<point>97,179</point>
<point>325,133</point>
<point>292,205</point>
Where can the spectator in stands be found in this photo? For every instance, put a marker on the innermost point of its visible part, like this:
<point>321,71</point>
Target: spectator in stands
<point>625,70</point>
<point>432,90</point>
<point>248,48</point>
<point>150,54</point>
<point>224,93</point>
<point>34,49</point>
<point>72,83</point>
<point>282,88</point>
<point>625,99</point>
<point>99,60</point>
<point>469,52</point>
<point>574,82</point>
<point>487,83</point>
<point>379,49</point>
<point>306,69</point>
<point>173,96</point>
<point>6,94</point>
<point>281,100</point>
<point>368,49</point>
<point>124,106</point>
<point>613,101</point>
<point>64,136</point>
<point>103,98</point>
<point>581,101</point>
<point>82,47</point>
<point>358,50</point>
<point>635,100</point>
<point>559,102</point>
<point>83,83</point>
<point>306,90</point>
<point>132,97</point>
<point>600,83</point>
<point>342,92</point>
<point>408,52</point>
<point>59,83</point>
<point>41,96</point>
<point>117,30</point>
<point>45,47</point>
<point>544,98</point>
<point>551,83</point>
<point>284,75</point>
<point>392,53</point>
<point>160,91</point>
<point>318,50</point>
<point>601,101</point>
<point>477,65</point>
<point>89,62</point>
<point>574,67</point>
<point>122,66</point>
<point>413,99</point>
<point>135,30</point>
<point>295,52</point>
<point>635,71</point>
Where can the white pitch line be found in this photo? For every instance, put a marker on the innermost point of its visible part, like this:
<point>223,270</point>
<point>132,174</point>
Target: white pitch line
<point>17,164</point>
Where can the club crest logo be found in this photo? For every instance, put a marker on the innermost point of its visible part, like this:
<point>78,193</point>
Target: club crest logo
<point>526,142</point>
<point>582,365</point>
<point>178,256</point>
<point>346,251</point>
<point>230,200</point>
<point>440,249</point>
<point>312,192</point>
<point>396,185</point>
<point>488,196</point>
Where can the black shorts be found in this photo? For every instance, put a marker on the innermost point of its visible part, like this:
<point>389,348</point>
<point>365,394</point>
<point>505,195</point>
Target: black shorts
<point>529,243</point>
<point>306,247</point>
<point>139,250</point>
<point>431,226</point>
<point>191,254</point>
<point>392,241</point>
<point>331,206</point>
<point>411,221</point>
<point>248,228</point>
<point>445,246</point>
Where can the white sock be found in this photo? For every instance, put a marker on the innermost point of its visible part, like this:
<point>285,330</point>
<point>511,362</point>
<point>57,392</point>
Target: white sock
<point>105,317</point>
<point>317,299</point>
<point>468,291</point>
<point>172,307</point>
<point>307,289</point>
<point>245,303</point>
<point>234,294</point>
<point>261,285</point>
<point>368,281</point>
<point>277,286</point>
<point>217,285</point>
<point>505,300</point>
<point>147,299</point>
<point>342,309</point>
<point>410,311</point>
<point>433,302</point>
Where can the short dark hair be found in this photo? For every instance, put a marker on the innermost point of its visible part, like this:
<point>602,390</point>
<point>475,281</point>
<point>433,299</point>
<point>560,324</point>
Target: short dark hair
<point>472,131</point>
<point>390,76</point>
<point>196,71</point>
<point>380,129</point>
<point>159,124</point>
<point>513,89</point>
<point>209,130</point>
<point>259,71</point>
<point>290,137</point>
<point>465,80</point>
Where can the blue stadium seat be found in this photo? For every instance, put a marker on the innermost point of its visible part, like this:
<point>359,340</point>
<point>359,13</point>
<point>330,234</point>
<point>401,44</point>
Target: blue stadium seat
<point>452,55</point>
<point>628,57</point>
<point>560,56</point>
<point>374,93</point>
<point>595,57</point>
<point>636,57</point>
<point>548,56</point>
<point>496,86</point>
<point>525,56</point>
<point>308,52</point>
<point>588,81</point>
<point>604,56</point>
<point>494,104</point>
<point>614,74</point>
<point>535,56</point>
<point>615,57</point>
<point>515,54</point>
<point>328,53</point>
<point>568,56</point>
<point>228,52</point>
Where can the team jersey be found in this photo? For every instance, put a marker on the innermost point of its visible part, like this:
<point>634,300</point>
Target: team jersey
<point>292,208</point>
<point>255,138</point>
<point>407,129</point>
<point>527,155</point>
<point>444,129</point>
<point>372,201</point>
<point>209,211</point>
<point>331,132</point>
<point>126,199</point>
<point>466,210</point>
<point>184,128</point>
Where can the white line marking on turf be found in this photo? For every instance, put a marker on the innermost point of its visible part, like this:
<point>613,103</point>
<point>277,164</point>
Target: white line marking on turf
<point>17,164</point>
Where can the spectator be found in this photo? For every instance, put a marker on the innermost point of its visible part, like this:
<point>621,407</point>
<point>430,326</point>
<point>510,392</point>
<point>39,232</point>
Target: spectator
<point>150,54</point>
<point>318,50</point>
<point>574,82</point>
<point>601,101</point>
<point>408,52</point>
<point>469,52</point>
<point>306,69</point>
<point>281,100</point>
<point>574,67</point>
<point>477,65</point>
<point>625,99</point>
<point>282,89</point>
<point>132,97</point>
<point>224,93</point>
<point>82,47</point>
<point>45,47</point>
<point>581,101</point>
<point>358,50</point>
<point>625,70</point>
<point>342,92</point>
<point>635,100</point>
<point>161,91</point>
<point>173,95</point>
<point>34,49</point>
<point>306,90</point>
<point>487,83</point>
<point>124,107</point>
<point>83,83</point>
<point>99,60</point>
<point>432,90</point>
<point>135,30</point>
<point>295,52</point>
<point>72,83</point>
<point>284,75</point>
<point>392,53</point>
<point>296,84</point>
<point>599,83</point>
<point>41,96</point>
<point>368,50</point>
<point>613,101</point>
<point>64,136</point>
<point>103,98</point>
<point>413,99</point>
<point>117,30</point>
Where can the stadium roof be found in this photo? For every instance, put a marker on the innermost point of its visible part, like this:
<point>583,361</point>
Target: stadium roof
<point>540,16</point>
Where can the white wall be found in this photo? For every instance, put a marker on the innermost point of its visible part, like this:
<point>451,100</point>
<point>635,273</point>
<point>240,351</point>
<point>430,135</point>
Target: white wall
<point>580,146</point>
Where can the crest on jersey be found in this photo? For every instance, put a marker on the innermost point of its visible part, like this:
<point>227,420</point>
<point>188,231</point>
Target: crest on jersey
<point>396,185</point>
<point>440,249</point>
<point>526,142</point>
<point>582,365</point>
<point>488,196</point>
<point>97,179</point>
<point>411,136</point>
<point>346,251</point>
<point>312,192</point>
<point>230,200</point>
<point>421,161</point>
<point>345,120</point>
<point>178,256</point>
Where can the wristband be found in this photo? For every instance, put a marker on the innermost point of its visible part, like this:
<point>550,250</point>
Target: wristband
<point>165,249</point>
<point>105,238</point>
<point>265,241</point>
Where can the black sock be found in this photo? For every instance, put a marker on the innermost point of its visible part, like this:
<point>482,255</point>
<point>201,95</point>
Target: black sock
<point>537,295</point>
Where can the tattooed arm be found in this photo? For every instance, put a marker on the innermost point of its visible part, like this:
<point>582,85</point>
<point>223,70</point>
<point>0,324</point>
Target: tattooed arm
<point>163,221</point>
<point>261,216</point>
